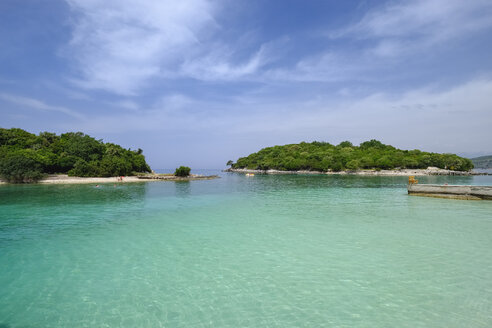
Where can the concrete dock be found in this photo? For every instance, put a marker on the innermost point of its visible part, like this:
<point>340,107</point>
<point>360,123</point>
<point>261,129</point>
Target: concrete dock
<point>451,191</point>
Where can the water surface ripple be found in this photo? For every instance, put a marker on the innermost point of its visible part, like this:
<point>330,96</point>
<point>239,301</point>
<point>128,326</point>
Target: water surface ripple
<point>268,251</point>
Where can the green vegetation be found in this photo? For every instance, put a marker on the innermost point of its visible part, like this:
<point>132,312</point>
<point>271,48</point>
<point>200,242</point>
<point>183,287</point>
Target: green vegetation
<point>182,171</point>
<point>483,162</point>
<point>18,168</point>
<point>26,157</point>
<point>322,156</point>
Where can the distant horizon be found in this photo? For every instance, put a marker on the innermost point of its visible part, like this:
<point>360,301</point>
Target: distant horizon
<point>199,83</point>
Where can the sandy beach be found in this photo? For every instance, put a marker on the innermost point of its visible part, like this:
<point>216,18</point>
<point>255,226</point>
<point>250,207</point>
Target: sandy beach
<point>65,179</point>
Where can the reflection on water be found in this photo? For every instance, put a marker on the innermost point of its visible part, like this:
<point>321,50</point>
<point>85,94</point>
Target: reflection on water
<point>280,182</point>
<point>183,188</point>
<point>47,195</point>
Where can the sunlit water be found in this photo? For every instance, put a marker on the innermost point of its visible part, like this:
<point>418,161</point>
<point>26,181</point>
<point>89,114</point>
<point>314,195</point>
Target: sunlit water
<point>266,251</point>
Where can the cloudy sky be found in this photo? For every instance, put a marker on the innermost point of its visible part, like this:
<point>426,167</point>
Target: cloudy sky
<point>199,82</point>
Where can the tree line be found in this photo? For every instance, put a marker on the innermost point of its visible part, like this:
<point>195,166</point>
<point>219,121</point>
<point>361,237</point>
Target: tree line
<point>323,157</point>
<point>26,157</point>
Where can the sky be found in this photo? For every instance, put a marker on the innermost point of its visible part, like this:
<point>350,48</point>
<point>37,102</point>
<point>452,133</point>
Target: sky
<point>198,83</point>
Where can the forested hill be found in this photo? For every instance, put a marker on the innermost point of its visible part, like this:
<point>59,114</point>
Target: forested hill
<point>26,157</point>
<point>483,162</point>
<point>322,156</point>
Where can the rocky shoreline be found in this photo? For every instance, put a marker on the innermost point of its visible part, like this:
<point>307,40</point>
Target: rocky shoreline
<point>168,177</point>
<point>395,172</point>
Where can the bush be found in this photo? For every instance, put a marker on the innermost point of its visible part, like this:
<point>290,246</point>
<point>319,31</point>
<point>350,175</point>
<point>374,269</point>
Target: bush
<point>18,168</point>
<point>353,164</point>
<point>85,169</point>
<point>182,171</point>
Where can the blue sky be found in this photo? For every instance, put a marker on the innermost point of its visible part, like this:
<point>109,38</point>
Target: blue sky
<point>196,82</point>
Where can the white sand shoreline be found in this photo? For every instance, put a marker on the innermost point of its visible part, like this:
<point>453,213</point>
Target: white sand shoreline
<point>65,179</point>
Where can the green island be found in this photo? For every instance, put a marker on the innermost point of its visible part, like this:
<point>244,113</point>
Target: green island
<point>26,157</point>
<point>75,157</point>
<point>325,157</point>
<point>482,162</point>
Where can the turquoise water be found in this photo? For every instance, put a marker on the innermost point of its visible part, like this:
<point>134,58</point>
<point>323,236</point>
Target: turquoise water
<point>267,251</point>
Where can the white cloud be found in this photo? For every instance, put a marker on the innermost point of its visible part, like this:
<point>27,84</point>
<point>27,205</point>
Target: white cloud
<point>403,27</point>
<point>219,63</point>
<point>126,104</point>
<point>119,45</point>
<point>218,66</point>
<point>39,105</point>
<point>325,67</point>
<point>389,35</point>
<point>173,103</point>
<point>437,18</point>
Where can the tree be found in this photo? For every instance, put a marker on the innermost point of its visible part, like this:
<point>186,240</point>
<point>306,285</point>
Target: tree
<point>230,163</point>
<point>182,171</point>
<point>81,145</point>
<point>353,164</point>
<point>344,144</point>
<point>336,166</point>
<point>20,168</point>
<point>373,143</point>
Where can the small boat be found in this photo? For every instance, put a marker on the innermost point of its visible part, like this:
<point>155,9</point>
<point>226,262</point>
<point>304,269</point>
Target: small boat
<point>250,174</point>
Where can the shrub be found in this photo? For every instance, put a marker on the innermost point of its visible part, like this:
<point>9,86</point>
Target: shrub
<point>336,167</point>
<point>182,171</point>
<point>85,169</point>
<point>353,164</point>
<point>19,168</point>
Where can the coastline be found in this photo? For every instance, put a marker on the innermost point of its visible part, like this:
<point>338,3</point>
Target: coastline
<point>65,179</point>
<point>401,172</point>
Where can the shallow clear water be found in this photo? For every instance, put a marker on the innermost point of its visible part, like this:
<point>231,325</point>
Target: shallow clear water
<point>267,251</point>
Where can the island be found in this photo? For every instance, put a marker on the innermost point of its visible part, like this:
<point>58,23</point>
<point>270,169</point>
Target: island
<point>369,158</point>
<point>483,162</point>
<point>74,157</point>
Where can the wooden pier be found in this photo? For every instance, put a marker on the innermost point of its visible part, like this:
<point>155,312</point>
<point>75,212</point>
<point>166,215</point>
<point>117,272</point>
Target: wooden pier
<point>451,191</point>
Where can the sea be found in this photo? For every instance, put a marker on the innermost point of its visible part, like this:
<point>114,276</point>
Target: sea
<point>262,251</point>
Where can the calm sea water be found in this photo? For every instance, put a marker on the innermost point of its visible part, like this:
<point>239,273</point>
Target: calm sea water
<point>267,251</point>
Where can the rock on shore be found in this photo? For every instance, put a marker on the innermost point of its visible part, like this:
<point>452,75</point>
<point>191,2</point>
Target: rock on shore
<point>395,172</point>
